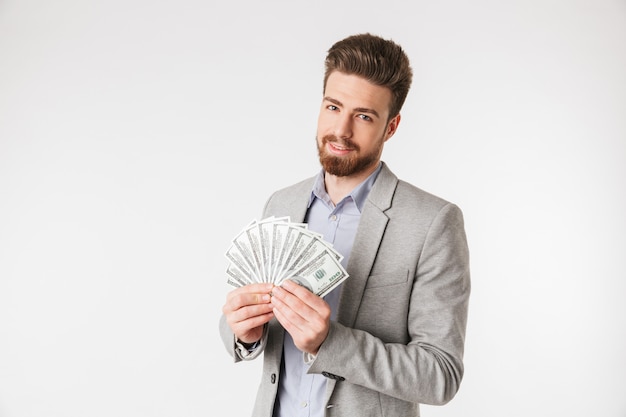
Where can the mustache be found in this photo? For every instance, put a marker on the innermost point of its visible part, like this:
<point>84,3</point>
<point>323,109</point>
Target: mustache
<point>334,139</point>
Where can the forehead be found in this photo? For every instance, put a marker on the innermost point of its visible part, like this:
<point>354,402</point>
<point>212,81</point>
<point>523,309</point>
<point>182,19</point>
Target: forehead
<point>354,91</point>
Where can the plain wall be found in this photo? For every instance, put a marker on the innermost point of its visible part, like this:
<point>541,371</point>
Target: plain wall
<point>138,137</point>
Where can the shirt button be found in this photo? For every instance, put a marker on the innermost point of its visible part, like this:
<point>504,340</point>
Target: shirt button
<point>333,217</point>
<point>304,404</point>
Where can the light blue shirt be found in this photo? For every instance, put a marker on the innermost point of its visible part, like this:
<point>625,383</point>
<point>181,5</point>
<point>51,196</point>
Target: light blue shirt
<point>301,394</point>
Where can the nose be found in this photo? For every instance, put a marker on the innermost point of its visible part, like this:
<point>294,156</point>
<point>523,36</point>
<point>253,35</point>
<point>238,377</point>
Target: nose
<point>343,126</point>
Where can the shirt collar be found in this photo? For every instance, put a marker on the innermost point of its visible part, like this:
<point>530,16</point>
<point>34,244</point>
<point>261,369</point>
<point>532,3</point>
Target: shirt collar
<point>358,194</point>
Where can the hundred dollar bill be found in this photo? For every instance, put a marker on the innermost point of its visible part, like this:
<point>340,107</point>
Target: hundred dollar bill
<point>289,234</point>
<point>241,253</point>
<point>264,229</point>
<point>269,243</point>
<point>255,245</point>
<point>274,249</point>
<point>321,274</point>
<point>236,277</point>
<point>301,241</point>
<point>241,263</point>
<point>312,249</point>
<point>278,236</point>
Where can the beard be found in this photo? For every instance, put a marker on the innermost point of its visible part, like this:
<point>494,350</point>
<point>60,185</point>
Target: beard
<point>346,165</point>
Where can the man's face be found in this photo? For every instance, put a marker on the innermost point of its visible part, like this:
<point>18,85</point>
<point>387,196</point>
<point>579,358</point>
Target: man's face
<point>352,126</point>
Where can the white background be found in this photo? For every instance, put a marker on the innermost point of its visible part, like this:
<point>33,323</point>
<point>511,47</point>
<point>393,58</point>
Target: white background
<point>138,137</point>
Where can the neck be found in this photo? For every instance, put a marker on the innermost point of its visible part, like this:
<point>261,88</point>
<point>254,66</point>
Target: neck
<point>339,187</point>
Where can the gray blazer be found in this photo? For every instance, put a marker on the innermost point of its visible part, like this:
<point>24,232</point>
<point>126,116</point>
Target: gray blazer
<point>400,331</point>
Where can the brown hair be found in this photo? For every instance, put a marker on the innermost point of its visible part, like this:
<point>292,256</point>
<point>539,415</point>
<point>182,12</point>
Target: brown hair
<point>380,61</point>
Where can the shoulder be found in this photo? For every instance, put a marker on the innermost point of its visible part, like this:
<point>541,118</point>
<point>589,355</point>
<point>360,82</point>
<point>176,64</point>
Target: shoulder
<point>304,186</point>
<point>290,201</point>
<point>411,203</point>
<point>408,203</point>
<point>402,195</point>
<point>415,196</point>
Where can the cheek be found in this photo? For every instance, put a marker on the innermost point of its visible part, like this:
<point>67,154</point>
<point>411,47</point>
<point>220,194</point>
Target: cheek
<point>322,125</point>
<point>319,138</point>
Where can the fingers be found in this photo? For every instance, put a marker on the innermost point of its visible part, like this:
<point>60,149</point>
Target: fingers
<point>303,314</point>
<point>301,299</point>
<point>250,329</point>
<point>247,309</point>
<point>248,300</point>
<point>287,300</point>
<point>298,290</point>
<point>249,294</point>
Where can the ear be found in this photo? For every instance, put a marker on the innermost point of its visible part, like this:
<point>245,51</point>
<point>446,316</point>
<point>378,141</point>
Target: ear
<point>392,126</point>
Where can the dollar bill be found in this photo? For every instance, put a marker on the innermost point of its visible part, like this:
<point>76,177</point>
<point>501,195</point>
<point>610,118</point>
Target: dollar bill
<point>321,274</point>
<point>275,249</point>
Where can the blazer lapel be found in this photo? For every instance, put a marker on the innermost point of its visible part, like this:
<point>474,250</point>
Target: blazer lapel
<point>368,237</point>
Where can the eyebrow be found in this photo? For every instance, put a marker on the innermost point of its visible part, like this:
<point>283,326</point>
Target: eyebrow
<point>358,109</point>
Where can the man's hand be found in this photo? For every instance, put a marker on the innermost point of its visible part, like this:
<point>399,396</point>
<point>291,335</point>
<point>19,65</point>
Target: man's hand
<point>247,309</point>
<point>303,314</point>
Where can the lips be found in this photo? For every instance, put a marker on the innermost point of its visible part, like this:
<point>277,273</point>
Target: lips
<point>337,148</point>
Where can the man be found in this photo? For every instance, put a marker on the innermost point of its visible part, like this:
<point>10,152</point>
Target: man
<point>392,335</point>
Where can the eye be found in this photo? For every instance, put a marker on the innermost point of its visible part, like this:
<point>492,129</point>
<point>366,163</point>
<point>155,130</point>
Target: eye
<point>365,117</point>
<point>332,107</point>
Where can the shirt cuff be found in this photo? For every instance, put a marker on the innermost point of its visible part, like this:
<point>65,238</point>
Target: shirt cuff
<point>244,351</point>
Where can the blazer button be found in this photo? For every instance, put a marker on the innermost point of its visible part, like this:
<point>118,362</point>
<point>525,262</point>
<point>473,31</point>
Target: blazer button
<point>273,378</point>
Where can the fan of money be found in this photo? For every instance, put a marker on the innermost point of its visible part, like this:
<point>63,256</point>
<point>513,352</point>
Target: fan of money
<point>274,249</point>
